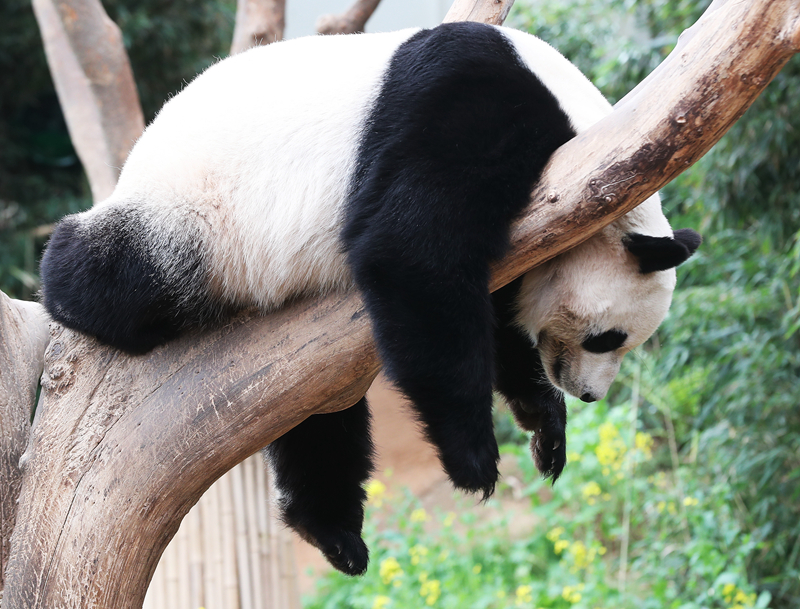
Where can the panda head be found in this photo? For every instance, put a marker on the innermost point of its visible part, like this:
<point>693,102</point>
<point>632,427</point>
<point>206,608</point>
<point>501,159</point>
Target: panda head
<point>585,309</point>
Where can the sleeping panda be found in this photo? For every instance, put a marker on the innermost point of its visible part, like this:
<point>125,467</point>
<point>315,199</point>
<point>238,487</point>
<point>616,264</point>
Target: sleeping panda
<point>394,163</point>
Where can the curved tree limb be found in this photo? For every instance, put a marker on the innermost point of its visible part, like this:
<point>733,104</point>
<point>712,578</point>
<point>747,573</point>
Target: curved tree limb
<point>125,445</point>
<point>352,21</point>
<point>258,22</point>
<point>95,86</point>
<point>23,337</point>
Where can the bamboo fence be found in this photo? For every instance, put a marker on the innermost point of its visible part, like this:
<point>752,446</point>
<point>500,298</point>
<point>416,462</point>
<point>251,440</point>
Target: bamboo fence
<point>230,552</point>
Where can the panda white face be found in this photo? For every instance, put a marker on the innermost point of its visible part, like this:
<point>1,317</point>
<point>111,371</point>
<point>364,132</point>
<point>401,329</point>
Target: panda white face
<point>588,307</point>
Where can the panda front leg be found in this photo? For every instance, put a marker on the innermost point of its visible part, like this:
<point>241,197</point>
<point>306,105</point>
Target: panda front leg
<point>536,404</point>
<point>433,327</point>
<point>320,469</point>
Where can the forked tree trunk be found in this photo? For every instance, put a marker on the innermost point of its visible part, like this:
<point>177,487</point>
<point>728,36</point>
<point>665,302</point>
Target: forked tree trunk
<point>95,86</point>
<point>124,445</point>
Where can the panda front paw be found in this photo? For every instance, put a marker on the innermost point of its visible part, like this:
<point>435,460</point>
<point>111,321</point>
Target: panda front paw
<point>547,419</point>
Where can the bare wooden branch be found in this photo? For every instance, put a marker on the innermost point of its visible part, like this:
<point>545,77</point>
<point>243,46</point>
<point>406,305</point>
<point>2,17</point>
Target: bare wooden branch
<point>125,445</point>
<point>23,337</point>
<point>95,86</point>
<point>493,11</point>
<point>258,22</point>
<point>351,21</point>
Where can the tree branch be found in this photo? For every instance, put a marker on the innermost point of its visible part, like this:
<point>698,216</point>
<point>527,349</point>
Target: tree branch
<point>23,337</point>
<point>258,22</point>
<point>492,11</point>
<point>95,86</point>
<point>351,21</point>
<point>125,445</point>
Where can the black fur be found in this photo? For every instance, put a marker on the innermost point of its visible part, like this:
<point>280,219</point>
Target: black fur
<point>662,253</point>
<point>101,279</point>
<point>320,467</point>
<point>610,340</point>
<point>537,406</point>
<point>459,135</point>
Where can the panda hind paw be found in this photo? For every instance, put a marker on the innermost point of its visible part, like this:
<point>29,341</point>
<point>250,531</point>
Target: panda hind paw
<point>345,551</point>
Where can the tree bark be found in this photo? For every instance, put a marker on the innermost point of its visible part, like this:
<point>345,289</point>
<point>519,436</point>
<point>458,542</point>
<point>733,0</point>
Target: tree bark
<point>95,86</point>
<point>23,337</point>
<point>125,445</point>
<point>258,22</point>
<point>351,21</point>
<point>486,11</point>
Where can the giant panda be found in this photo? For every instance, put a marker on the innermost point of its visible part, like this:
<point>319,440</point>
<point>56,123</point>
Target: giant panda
<point>394,163</point>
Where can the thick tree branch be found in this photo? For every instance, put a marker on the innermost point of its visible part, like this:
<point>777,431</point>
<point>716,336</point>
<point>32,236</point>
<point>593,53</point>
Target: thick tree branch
<point>351,21</point>
<point>258,22</point>
<point>95,86</point>
<point>23,337</point>
<point>125,445</point>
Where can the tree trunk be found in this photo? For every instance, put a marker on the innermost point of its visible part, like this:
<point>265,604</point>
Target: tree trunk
<point>95,86</point>
<point>258,22</point>
<point>23,337</point>
<point>352,21</point>
<point>125,445</point>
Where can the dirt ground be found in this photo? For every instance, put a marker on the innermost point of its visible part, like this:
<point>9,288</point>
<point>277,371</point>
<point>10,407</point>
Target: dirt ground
<point>413,464</point>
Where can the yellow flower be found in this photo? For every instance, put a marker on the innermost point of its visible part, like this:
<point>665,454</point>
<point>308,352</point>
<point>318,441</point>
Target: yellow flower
<point>561,545</point>
<point>375,492</point>
<point>571,594</point>
<point>419,515</point>
<point>608,431</point>
<point>430,590</point>
<point>691,501</point>
<point>417,552</point>
<point>644,443</point>
<point>554,534</point>
<point>381,602</point>
<point>524,595</point>
<point>590,491</point>
<point>573,457</point>
<point>449,519</point>
<point>390,570</point>
<point>476,569</point>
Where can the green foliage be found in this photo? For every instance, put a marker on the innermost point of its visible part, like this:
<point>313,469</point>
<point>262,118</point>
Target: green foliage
<point>621,528</point>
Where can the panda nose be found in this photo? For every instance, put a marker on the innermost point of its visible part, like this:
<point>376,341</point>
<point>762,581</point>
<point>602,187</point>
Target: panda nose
<point>588,398</point>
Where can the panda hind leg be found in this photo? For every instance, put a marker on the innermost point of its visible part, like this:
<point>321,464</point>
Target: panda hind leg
<point>537,406</point>
<point>320,469</point>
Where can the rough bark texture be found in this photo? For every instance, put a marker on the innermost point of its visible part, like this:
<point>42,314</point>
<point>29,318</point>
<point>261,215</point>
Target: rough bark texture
<point>258,22</point>
<point>350,22</point>
<point>487,11</point>
<point>125,445</point>
<point>23,337</point>
<point>95,86</point>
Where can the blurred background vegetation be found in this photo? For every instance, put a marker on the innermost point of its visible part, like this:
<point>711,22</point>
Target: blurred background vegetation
<point>684,484</point>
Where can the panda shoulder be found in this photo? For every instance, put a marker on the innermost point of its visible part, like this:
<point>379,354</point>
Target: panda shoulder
<point>577,96</point>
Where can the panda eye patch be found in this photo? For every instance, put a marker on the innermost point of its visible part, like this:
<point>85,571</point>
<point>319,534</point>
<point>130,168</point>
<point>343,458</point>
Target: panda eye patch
<point>605,342</point>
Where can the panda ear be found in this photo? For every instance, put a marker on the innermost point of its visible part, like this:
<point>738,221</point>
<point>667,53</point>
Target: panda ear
<point>662,253</point>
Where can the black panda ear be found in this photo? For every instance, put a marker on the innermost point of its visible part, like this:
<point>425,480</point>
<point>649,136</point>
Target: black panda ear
<point>662,253</point>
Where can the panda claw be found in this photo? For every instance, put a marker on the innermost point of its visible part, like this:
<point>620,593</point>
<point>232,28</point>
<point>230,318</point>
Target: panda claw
<point>344,550</point>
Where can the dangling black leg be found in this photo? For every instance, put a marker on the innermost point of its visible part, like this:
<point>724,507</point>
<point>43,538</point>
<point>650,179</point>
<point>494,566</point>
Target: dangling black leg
<point>320,467</point>
<point>537,405</point>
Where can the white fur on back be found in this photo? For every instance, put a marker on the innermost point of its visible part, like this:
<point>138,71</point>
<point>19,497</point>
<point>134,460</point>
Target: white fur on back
<point>262,148</point>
